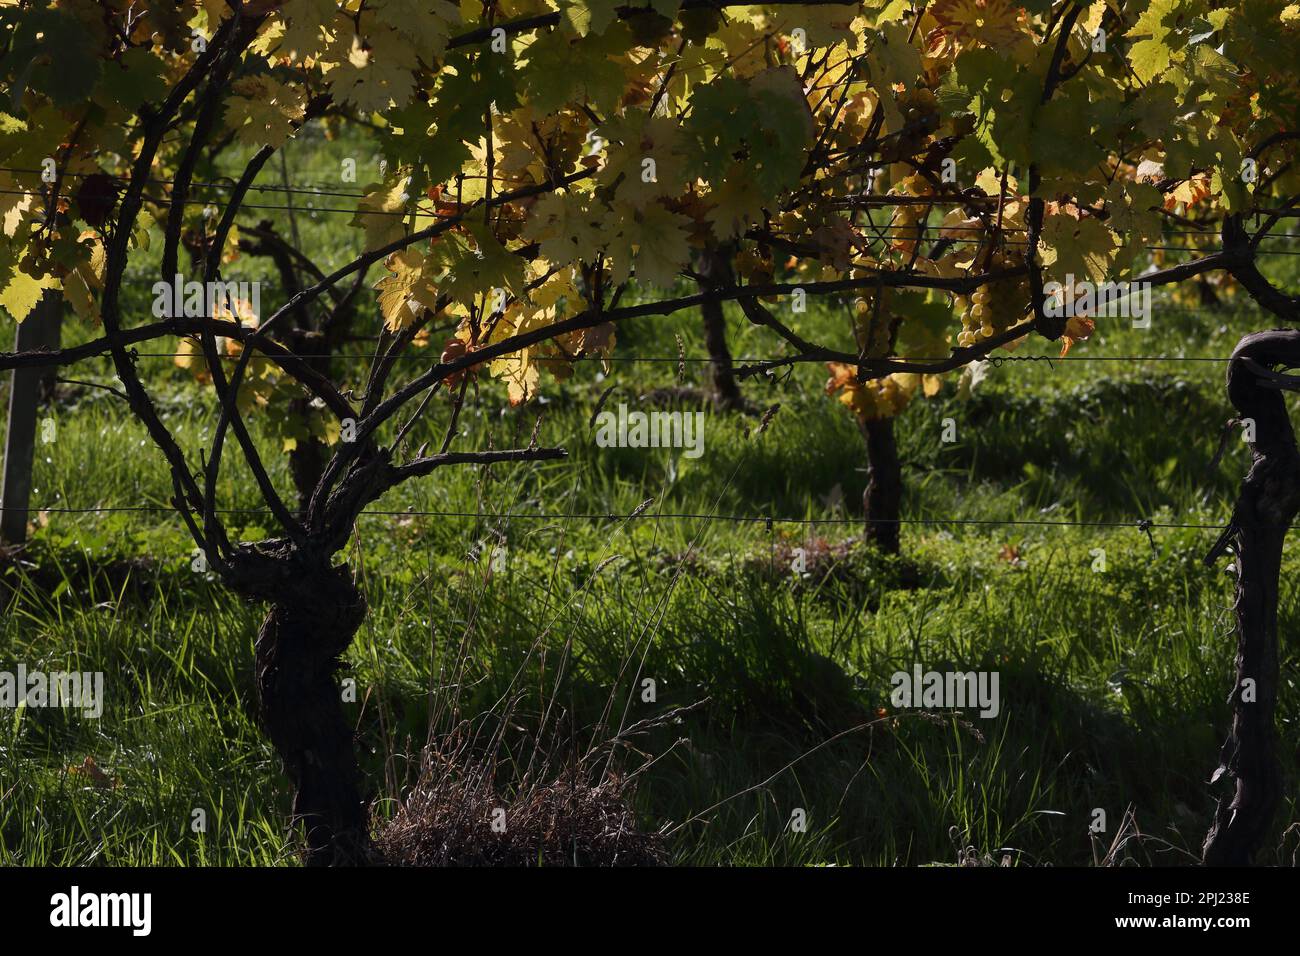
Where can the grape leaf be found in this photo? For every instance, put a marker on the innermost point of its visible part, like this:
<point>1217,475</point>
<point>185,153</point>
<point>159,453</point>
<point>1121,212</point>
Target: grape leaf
<point>23,291</point>
<point>379,213</point>
<point>1152,55</point>
<point>1082,247</point>
<point>135,78</point>
<point>634,138</point>
<point>477,267</point>
<point>657,237</point>
<point>405,294</point>
<point>305,23</point>
<point>263,111</point>
<point>563,69</point>
<point>588,16</point>
<point>568,227</point>
<point>369,81</point>
<point>733,205</point>
<point>425,23</point>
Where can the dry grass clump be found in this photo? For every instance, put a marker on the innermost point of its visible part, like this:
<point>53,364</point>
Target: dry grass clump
<point>455,816</point>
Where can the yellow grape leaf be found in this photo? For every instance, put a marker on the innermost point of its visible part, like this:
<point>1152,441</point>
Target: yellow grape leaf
<point>520,370</point>
<point>235,309</point>
<point>558,286</point>
<point>991,23</point>
<point>568,227</point>
<point>989,181</point>
<point>189,356</point>
<point>875,398</point>
<point>408,291</point>
<point>588,16</point>
<point>379,213</point>
<point>264,111</point>
<point>658,236</point>
<point>1152,54</point>
<point>827,25</point>
<point>325,428</point>
<point>520,375</point>
<point>745,43</point>
<point>80,293</point>
<point>15,203</point>
<point>1149,58</point>
<point>644,158</point>
<point>1189,192</point>
<point>23,292</point>
<point>734,203</point>
<point>214,11</point>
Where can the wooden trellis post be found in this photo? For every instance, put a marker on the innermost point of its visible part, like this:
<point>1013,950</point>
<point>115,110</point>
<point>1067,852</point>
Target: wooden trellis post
<point>39,330</point>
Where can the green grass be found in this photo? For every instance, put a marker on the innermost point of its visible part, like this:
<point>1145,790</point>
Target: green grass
<point>1112,684</point>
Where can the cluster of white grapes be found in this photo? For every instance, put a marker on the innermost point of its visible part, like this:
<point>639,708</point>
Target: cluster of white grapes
<point>992,308</point>
<point>881,398</point>
<point>871,327</point>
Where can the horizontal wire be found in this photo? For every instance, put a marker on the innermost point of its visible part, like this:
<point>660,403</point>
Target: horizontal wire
<point>296,189</point>
<point>904,233</point>
<point>309,209</point>
<point>847,202</point>
<point>691,359</point>
<point>315,189</point>
<point>1138,524</point>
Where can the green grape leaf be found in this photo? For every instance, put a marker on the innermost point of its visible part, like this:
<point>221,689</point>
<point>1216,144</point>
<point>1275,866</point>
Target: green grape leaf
<point>589,16</point>
<point>305,23</point>
<point>263,111</point>
<point>135,78</point>
<point>476,267</point>
<point>1083,248</point>
<point>563,69</point>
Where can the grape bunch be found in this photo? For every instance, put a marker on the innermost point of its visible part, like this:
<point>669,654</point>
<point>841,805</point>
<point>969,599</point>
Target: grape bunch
<point>920,109</point>
<point>649,27</point>
<point>920,119</point>
<point>871,327</point>
<point>883,398</point>
<point>880,398</point>
<point>992,308</point>
<point>755,266</point>
<point>699,24</point>
<point>873,399</point>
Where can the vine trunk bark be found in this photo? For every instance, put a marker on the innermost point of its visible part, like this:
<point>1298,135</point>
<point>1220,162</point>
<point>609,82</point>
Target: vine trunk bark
<point>882,500</point>
<point>714,267</point>
<point>297,655</point>
<point>1265,508</point>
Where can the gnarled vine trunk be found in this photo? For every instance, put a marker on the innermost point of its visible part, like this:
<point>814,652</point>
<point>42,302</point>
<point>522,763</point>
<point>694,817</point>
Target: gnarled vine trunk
<point>298,650</point>
<point>1265,508</point>
<point>883,497</point>
<point>714,268</point>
